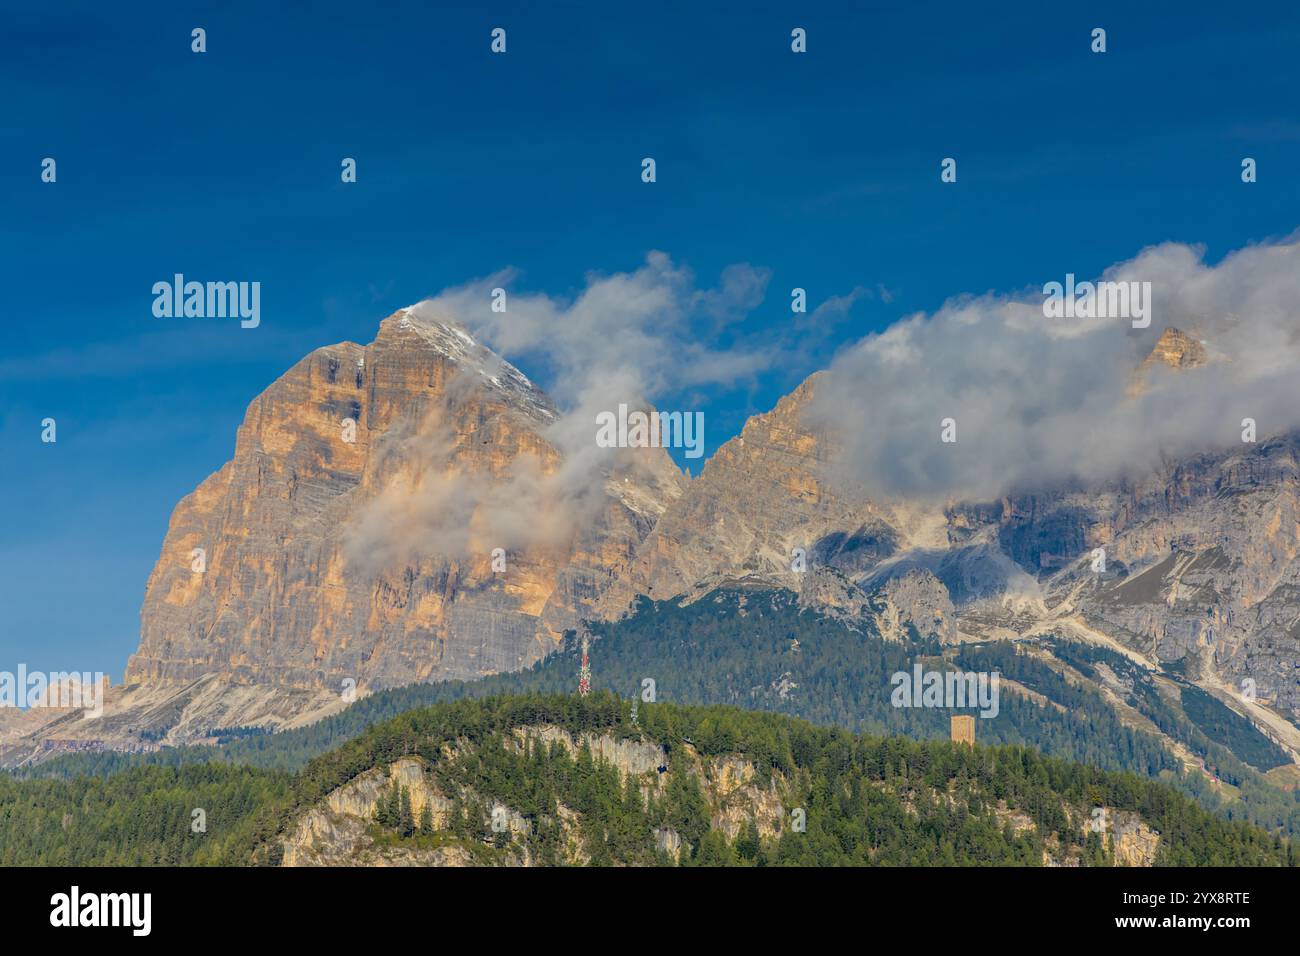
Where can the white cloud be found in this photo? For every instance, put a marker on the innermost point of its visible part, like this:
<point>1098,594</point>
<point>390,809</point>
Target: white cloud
<point>1041,401</point>
<point>627,338</point>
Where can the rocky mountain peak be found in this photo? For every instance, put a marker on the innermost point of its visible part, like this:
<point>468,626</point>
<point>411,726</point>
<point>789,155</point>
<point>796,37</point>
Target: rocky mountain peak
<point>391,514</point>
<point>327,560</point>
<point>1176,349</point>
<point>418,327</point>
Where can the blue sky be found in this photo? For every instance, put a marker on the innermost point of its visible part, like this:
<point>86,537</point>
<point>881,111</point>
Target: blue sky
<point>822,168</point>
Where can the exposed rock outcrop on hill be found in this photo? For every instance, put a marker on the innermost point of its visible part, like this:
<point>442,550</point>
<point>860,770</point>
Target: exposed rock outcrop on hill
<point>674,802</point>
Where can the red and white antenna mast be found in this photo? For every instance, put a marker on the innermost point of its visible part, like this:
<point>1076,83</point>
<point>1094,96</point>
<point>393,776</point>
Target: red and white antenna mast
<point>584,675</point>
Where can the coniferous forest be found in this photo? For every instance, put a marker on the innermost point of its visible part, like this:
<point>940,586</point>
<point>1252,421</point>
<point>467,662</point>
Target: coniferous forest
<point>759,650</point>
<point>864,799</point>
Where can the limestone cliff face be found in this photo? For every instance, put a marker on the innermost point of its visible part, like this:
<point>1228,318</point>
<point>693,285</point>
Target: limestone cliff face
<point>1124,833</point>
<point>338,831</point>
<point>1202,557</point>
<point>351,536</point>
<point>1201,564</point>
<point>764,497</point>
<point>1133,842</point>
<point>328,560</point>
<point>915,601</point>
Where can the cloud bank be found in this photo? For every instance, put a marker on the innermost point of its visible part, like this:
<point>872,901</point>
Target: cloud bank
<point>626,338</point>
<point>437,498</point>
<point>1040,402</point>
<point>1037,402</point>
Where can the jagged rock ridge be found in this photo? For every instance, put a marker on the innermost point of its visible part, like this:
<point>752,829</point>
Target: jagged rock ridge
<point>1201,558</point>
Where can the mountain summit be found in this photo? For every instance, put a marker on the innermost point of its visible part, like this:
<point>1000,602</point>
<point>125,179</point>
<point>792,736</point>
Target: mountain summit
<point>393,513</point>
<point>407,512</point>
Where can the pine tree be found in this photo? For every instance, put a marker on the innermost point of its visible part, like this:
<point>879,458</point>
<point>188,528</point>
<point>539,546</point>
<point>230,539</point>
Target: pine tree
<point>426,820</point>
<point>749,844</point>
<point>387,811</point>
<point>405,818</point>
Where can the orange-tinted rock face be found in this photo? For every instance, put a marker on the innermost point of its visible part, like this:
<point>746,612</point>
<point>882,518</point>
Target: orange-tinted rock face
<point>1177,350</point>
<point>352,535</point>
<point>371,559</point>
<point>763,498</point>
<point>1174,349</point>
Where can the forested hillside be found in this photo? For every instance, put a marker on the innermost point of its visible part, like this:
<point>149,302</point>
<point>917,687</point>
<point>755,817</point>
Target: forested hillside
<point>753,649</point>
<point>758,650</point>
<point>143,816</point>
<point>863,800</point>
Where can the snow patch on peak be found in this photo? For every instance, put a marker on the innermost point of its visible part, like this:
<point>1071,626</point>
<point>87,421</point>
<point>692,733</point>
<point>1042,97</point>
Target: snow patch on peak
<point>448,338</point>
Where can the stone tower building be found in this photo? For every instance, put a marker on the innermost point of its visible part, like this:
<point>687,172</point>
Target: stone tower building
<point>963,729</point>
